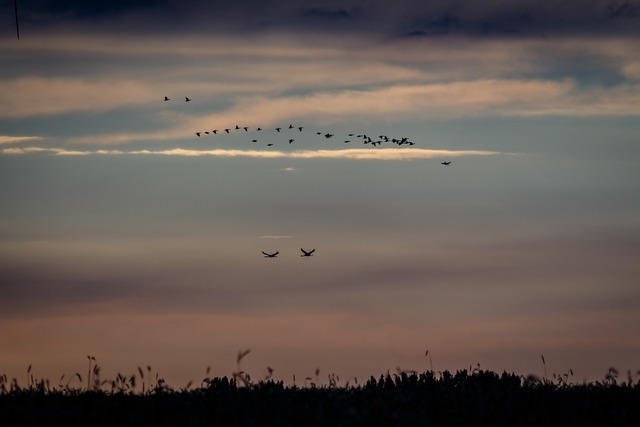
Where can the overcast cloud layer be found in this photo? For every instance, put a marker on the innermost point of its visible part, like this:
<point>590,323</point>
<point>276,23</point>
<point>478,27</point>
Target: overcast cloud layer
<point>404,17</point>
<point>130,231</point>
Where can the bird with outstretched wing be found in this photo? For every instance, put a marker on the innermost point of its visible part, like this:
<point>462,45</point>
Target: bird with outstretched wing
<point>306,254</point>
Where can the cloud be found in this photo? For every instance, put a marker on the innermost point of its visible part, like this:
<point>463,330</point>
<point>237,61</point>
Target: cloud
<point>372,17</point>
<point>351,154</point>
<point>623,10</point>
<point>318,81</point>
<point>632,70</point>
<point>57,151</point>
<point>399,103</point>
<point>480,98</point>
<point>326,14</point>
<point>8,139</point>
<point>236,71</point>
<point>31,96</point>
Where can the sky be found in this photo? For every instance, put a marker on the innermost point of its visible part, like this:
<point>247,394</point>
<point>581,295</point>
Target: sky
<point>126,236</point>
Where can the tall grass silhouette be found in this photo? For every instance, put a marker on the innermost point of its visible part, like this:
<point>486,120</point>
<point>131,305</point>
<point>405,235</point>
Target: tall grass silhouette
<point>406,397</point>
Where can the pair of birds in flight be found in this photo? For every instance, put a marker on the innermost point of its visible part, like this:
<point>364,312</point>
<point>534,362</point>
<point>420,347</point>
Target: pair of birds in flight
<point>275,254</point>
<point>186,99</point>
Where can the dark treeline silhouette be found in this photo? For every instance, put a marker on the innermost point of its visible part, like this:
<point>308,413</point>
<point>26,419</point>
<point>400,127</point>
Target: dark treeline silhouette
<point>405,399</point>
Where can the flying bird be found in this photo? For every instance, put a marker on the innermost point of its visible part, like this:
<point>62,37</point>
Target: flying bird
<point>328,135</point>
<point>306,254</point>
<point>300,128</point>
<point>187,99</point>
<point>273,255</point>
<point>215,131</point>
<point>198,133</point>
<point>226,130</point>
<point>445,163</point>
<point>278,129</point>
<point>237,127</point>
<point>291,140</point>
<point>166,98</point>
<point>245,128</point>
<point>259,129</point>
<point>290,126</point>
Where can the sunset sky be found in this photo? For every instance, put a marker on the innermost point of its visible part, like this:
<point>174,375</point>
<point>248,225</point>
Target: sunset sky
<point>125,236</point>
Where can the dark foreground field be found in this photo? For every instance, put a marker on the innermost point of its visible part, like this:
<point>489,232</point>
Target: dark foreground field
<point>428,399</point>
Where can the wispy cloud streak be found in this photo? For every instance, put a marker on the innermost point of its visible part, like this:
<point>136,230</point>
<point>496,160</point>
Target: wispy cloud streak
<point>56,151</point>
<point>352,154</point>
<point>7,139</point>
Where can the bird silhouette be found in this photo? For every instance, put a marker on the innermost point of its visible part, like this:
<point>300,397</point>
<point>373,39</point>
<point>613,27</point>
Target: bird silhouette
<point>187,99</point>
<point>291,140</point>
<point>300,128</point>
<point>259,129</point>
<point>290,126</point>
<point>226,130</point>
<point>166,98</point>
<point>198,133</point>
<point>306,254</point>
<point>278,129</point>
<point>245,128</point>
<point>273,255</point>
<point>445,163</point>
<point>328,135</point>
<point>237,127</point>
<point>215,131</point>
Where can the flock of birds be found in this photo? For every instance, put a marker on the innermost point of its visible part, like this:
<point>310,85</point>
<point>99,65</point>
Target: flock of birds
<point>363,137</point>
<point>276,253</point>
<point>366,139</point>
